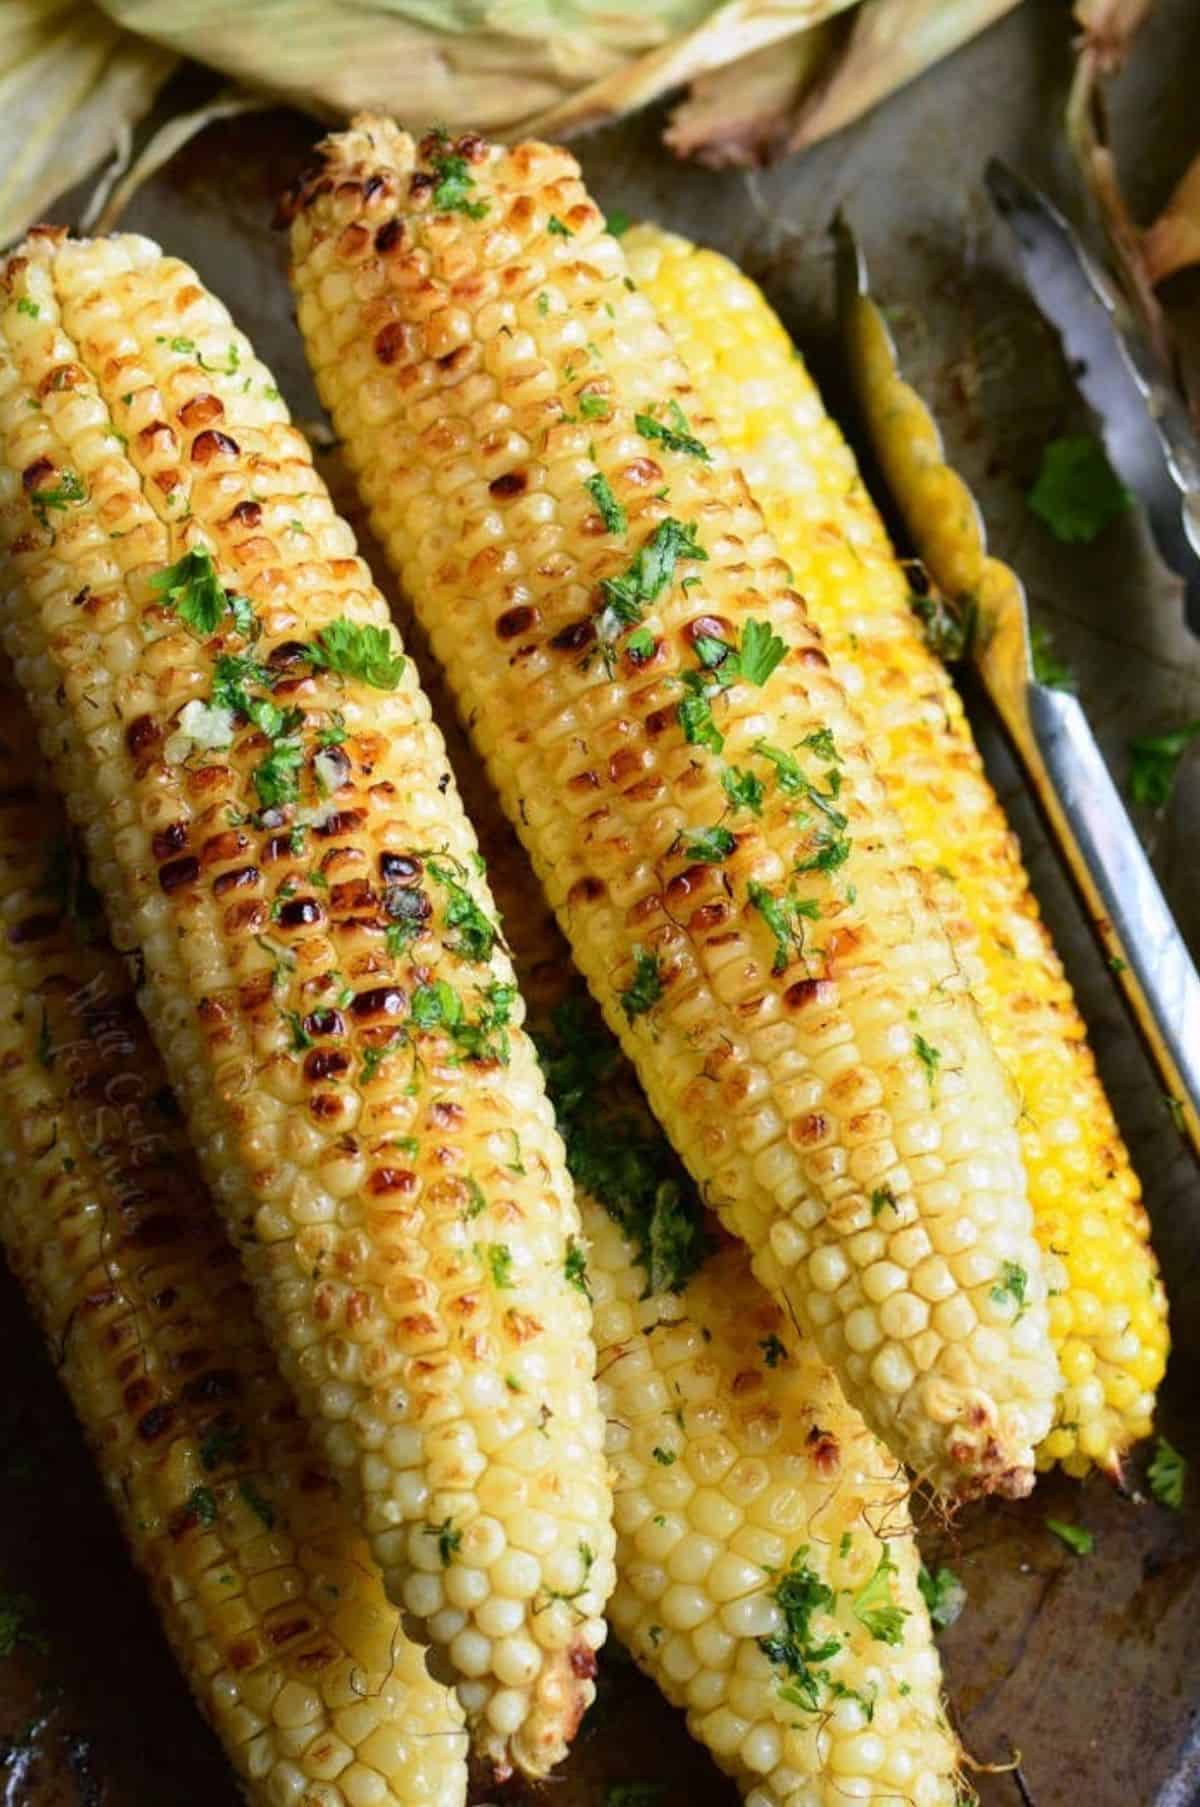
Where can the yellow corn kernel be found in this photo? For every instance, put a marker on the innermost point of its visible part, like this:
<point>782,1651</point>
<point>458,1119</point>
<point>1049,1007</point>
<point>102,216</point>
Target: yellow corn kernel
<point>267,803</point>
<point>1088,1214</point>
<point>609,608</point>
<point>264,1585</point>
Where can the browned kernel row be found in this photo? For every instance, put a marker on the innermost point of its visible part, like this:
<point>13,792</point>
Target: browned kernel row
<point>267,802</point>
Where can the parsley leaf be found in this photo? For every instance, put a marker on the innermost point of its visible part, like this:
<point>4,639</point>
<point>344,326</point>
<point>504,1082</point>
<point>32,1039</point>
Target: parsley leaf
<point>784,916</point>
<point>761,651</point>
<point>1155,760</point>
<point>610,510</point>
<point>743,789</point>
<point>651,571</point>
<point>943,1593</point>
<point>192,588</point>
<point>358,651</point>
<point>800,1594</point>
<point>1075,1537</point>
<point>618,222</point>
<point>555,226</point>
<point>474,936</point>
<point>1076,493</point>
<point>26,306</point>
<point>69,489</point>
<point>617,1153</point>
<point>452,193</point>
<point>709,845</point>
<point>499,1261</point>
<point>873,1605</point>
<point>645,988</point>
<point>929,1057</point>
<point>947,627</point>
<point>1013,1284</point>
<point>275,779</point>
<point>676,435</point>
<point>1167,1475</point>
<point>575,1268</point>
<point>695,714</point>
<point>448,1539</point>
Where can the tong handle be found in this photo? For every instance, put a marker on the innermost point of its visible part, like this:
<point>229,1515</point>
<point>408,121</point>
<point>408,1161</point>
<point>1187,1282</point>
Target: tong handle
<point>1122,896</point>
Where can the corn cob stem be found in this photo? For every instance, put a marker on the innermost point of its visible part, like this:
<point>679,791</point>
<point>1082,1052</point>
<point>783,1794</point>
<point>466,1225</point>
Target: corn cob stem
<point>1107,1305</point>
<point>610,609</point>
<point>264,796</point>
<point>265,1587</point>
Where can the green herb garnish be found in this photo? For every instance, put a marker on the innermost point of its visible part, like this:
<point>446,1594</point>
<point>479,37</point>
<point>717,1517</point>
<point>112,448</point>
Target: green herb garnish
<point>651,571</point>
<point>452,191</point>
<point>645,988</point>
<point>1074,1536</point>
<point>943,1593</point>
<point>1076,493</point>
<point>609,509</point>
<point>359,651</point>
<point>1167,1475</point>
<point>674,433</point>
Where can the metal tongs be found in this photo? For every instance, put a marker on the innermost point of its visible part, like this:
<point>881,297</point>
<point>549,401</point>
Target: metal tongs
<point>1153,450</point>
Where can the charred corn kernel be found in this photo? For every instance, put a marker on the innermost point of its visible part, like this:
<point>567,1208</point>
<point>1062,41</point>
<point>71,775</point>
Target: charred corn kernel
<point>264,1584</point>
<point>611,612</point>
<point>264,795</point>
<point>1107,1306</point>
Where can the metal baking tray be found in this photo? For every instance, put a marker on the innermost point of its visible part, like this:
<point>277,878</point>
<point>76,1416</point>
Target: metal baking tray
<point>1088,1669</point>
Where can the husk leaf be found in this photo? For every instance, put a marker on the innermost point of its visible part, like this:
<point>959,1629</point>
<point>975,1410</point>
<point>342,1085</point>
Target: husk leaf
<point>72,86</point>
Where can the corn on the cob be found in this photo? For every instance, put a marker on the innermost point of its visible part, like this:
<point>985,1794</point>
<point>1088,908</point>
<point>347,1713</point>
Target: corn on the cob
<point>753,1506</point>
<point>1107,1306</point>
<point>265,797</point>
<point>517,419</point>
<point>265,1587</point>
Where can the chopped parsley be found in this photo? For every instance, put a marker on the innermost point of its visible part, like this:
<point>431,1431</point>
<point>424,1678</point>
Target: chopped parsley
<point>26,306</point>
<point>800,1594</point>
<point>695,713</point>
<point>830,850</point>
<point>575,1268</point>
<point>1075,1537</point>
<point>67,490</point>
<point>673,433</point>
<point>645,988</point>
<point>477,1200</point>
<point>275,778</point>
<point>485,1037</point>
<point>498,1256</point>
<point>874,1607</point>
<point>929,1057</point>
<point>301,1039</point>
<point>594,406</point>
<point>615,1151</point>
<point>743,789</point>
<point>784,916</point>
<point>192,588</point>
<point>618,222</point>
<point>1013,1285</point>
<point>773,1351</point>
<point>664,1457</point>
<point>448,1539</point>
<point>761,651</point>
<point>359,651</point>
<point>1076,493</point>
<point>1155,761</point>
<point>947,627</point>
<point>709,845</point>
<point>881,1199</point>
<point>609,509</point>
<point>555,225</point>
<point>474,936</point>
<point>1167,1475</point>
<point>640,645</point>
<point>943,1593</point>
<point>452,191</point>
<point>652,570</point>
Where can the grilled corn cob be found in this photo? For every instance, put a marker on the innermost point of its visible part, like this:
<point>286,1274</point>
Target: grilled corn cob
<point>265,1587</point>
<point>263,793</point>
<point>610,609</point>
<point>757,1517</point>
<point>1107,1305</point>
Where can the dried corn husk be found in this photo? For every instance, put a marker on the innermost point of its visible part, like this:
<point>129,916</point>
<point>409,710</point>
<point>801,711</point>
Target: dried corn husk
<point>779,100</point>
<point>72,87</point>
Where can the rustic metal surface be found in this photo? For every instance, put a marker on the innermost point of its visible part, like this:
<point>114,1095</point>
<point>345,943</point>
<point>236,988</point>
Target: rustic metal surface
<point>1091,1668</point>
